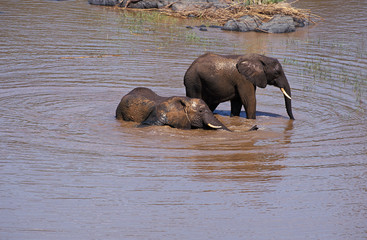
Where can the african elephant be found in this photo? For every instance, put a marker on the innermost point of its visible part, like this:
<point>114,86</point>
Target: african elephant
<point>144,106</point>
<point>216,78</point>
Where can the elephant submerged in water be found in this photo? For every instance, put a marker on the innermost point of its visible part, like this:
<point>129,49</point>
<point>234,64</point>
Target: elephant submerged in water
<point>144,106</point>
<point>218,78</point>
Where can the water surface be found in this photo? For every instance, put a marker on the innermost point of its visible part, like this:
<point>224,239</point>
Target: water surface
<point>70,170</point>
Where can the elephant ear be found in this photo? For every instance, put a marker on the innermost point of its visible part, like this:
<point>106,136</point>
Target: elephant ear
<point>253,70</point>
<point>154,118</point>
<point>178,113</point>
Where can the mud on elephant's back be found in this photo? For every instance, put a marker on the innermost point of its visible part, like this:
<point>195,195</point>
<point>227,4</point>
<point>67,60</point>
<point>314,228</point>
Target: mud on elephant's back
<point>132,109</point>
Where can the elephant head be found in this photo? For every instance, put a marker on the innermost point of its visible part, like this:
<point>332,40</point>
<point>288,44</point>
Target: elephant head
<point>261,70</point>
<point>184,113</point>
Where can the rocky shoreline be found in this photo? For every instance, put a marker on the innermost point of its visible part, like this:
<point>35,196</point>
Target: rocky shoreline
<point>272,18</point>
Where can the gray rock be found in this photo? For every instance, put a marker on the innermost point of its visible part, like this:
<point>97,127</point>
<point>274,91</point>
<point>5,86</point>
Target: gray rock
<point>179,6</point>
<point>103,2</point>
<point>144,4</point>
<point>231,25</point>
<point>244,24</point>
<point>249,23</point>
<point>189,5</point>
<point>278,24</point>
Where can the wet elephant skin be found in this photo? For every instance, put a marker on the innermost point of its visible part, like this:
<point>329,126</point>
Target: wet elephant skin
<point>144,106</point>
<point>220,78</point>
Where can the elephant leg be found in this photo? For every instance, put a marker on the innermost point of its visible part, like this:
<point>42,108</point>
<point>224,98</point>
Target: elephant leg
<point>251,110</point>
<point>213,106</point>
<point>247,93</point>
<point>236,106</point>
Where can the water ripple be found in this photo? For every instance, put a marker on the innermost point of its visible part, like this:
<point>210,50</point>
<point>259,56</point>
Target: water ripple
<point>65,66</point>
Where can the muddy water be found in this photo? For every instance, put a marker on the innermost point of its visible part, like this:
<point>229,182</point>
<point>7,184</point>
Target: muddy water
<point>70,170</point>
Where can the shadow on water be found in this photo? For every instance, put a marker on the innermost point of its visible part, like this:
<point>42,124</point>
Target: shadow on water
<point>243,114</point>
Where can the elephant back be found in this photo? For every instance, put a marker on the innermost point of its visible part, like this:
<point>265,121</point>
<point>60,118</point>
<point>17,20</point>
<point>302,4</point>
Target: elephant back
<point>136,105</point>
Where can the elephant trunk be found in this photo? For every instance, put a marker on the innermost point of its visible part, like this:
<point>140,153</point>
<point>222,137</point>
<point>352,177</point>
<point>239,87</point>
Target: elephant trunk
<point>211,121</point>
<point>288,101</point>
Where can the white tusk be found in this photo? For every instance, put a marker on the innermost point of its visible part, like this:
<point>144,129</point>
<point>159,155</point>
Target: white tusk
<point>285,93</point>
<point>213,126</point>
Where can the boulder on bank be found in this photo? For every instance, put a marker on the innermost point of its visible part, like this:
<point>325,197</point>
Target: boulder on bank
<point>103,2</point>
<point>278,24</point>
<point>143,4</point>
<point>194,5</point>
<point>244,24</point>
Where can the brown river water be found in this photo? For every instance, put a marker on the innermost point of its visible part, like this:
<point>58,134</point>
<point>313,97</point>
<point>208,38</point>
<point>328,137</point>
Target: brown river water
<point>69,170</point>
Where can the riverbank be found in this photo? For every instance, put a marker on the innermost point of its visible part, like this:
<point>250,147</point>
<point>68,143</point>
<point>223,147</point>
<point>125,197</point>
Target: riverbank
<point>231,16</point>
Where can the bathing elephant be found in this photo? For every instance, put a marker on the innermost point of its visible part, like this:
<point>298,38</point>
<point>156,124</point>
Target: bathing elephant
<point>216,78</point>
<point>144,106</point>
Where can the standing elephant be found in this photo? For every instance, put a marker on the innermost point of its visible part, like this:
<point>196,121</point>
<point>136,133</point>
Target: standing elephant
<point>215,79</point>
<point>146,107</point>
